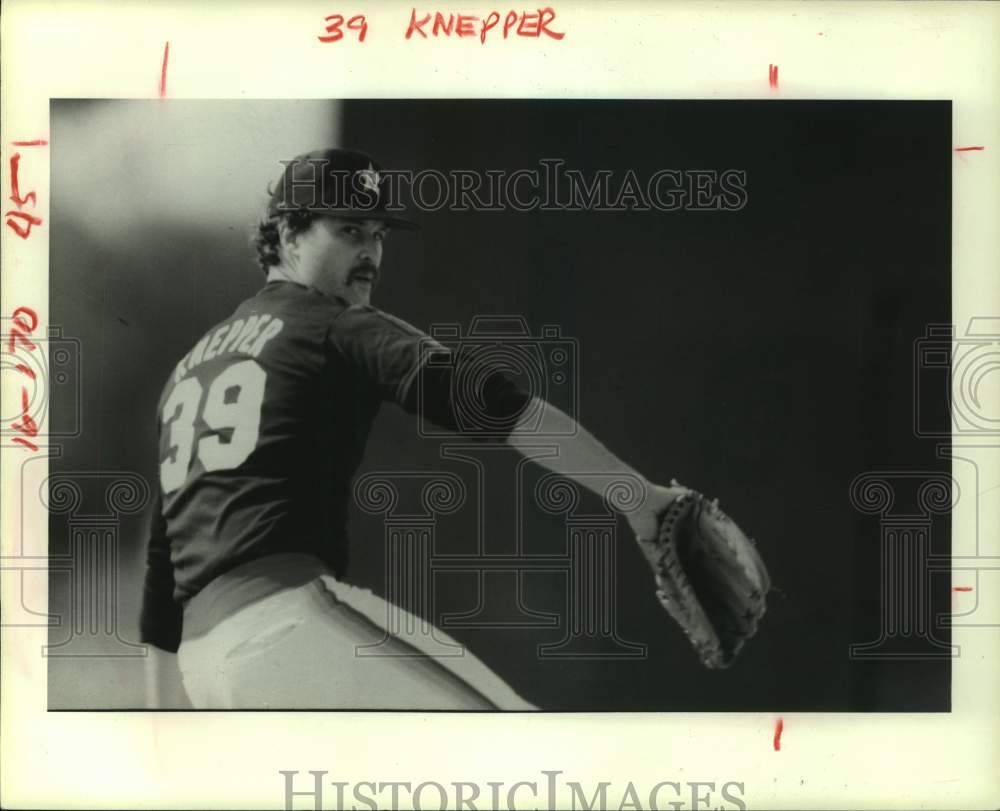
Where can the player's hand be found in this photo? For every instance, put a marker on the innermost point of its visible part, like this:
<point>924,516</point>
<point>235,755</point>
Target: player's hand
<point>645,522</point>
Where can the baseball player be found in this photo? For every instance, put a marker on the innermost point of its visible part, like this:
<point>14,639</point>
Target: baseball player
<point>261,428</point>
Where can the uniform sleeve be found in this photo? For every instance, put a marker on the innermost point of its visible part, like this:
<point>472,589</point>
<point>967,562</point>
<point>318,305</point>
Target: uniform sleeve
<point>384,350</point>
<point>161,619</point>
<point>410,368</point>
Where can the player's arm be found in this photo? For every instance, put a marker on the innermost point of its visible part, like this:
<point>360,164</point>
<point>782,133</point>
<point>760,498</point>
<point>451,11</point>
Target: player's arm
<point>161,618</point>
<point>394,356</point>
<point>717,618</point>
<point>709,575</point>
<point>580,451</point>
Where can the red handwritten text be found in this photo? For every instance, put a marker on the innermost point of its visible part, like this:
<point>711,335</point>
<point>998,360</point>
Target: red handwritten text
<point>19,220</point>
<point>523,24</point>
<point>25,322</point>
<point>19,321</point>
<point>15,187</point>
<point>335,22</point>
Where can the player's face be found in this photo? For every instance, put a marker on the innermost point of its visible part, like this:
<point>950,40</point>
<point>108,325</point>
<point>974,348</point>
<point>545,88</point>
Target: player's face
<point>344,256</point>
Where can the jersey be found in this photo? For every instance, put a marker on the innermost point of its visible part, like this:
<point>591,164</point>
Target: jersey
<point>261,428</point>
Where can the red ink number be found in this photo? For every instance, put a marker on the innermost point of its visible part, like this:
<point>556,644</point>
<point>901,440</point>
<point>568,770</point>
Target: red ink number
<point>25,322</point>
<point>20,202</point>
<point>335,22</point>
<point>22,329</point>
<point>20,322</point>
<point>15,187</point>
<point>24,233</point>
<point>16,336</point>
<point>29,427</point>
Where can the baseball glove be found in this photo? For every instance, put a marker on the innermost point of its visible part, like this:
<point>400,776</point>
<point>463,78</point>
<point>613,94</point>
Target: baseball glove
<point>709,577</point>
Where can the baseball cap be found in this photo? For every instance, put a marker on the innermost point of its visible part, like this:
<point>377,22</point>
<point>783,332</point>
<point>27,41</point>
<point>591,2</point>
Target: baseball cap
<point>337,183</point>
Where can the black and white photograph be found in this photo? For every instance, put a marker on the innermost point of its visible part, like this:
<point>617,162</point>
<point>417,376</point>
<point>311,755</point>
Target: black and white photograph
<point>484,392</point>
<point>420,406</point>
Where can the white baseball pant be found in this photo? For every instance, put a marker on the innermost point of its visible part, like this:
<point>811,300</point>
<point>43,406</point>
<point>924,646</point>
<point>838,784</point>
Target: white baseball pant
<point>281,632</point>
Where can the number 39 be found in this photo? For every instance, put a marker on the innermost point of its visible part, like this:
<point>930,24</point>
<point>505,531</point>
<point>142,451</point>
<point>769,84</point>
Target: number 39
<point>239,412</point>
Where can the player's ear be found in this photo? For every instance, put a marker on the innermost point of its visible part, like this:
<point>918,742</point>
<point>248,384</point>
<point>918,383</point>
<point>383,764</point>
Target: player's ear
<point>285,233</point>
<point>289,239</point>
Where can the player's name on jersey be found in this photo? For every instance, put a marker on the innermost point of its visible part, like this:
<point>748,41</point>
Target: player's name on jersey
<point>246,337</point>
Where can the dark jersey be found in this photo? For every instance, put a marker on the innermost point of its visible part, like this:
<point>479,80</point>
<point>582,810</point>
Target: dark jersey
<point>261,427</point>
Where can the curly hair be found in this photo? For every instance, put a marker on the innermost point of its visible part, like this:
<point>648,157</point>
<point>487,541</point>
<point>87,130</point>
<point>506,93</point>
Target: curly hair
<point>267,240</point>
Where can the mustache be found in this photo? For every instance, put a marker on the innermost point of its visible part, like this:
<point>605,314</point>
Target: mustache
<point>365,268</point>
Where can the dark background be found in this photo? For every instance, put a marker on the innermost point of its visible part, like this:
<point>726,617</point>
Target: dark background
<point>764,356</point>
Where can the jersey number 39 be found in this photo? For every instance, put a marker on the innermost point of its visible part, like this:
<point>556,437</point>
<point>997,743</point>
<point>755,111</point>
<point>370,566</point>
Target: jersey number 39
<point>232,404</point>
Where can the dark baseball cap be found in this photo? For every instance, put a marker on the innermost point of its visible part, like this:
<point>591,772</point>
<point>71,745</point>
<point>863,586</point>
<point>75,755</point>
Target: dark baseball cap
<point>338,183</point>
